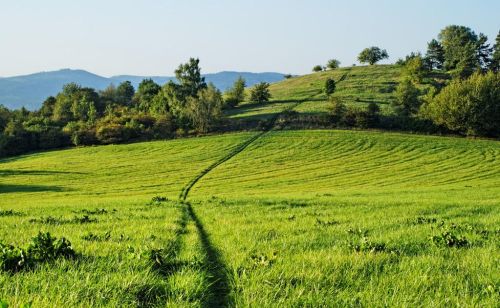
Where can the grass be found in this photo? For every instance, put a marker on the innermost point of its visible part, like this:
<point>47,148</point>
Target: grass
<point>357,86</point>
<point>294,218</point>
<point>263,219</point>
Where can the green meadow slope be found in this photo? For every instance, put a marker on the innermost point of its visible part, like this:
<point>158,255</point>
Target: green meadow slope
<point>359,86</point>
<point>292,218</point>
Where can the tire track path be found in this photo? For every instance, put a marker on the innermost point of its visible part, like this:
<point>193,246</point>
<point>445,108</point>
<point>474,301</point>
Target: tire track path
<point>219,284</point>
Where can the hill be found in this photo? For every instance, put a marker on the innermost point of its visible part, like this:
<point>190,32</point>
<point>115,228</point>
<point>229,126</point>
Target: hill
<point>31,90</point>
<point>287,218</point>
<point>357,86</point>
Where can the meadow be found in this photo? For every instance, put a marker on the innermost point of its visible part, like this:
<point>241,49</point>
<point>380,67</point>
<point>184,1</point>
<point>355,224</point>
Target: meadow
<point>277,218</point>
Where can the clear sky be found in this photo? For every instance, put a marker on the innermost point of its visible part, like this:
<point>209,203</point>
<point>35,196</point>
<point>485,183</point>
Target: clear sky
<point>151,37</point>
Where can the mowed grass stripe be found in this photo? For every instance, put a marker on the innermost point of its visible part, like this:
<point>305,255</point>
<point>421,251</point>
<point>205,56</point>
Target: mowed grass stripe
<point>369,161</point>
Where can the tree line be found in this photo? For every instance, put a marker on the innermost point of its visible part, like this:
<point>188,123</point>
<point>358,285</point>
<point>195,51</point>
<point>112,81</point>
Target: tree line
<point>83,116</point>
<point>454,87</point>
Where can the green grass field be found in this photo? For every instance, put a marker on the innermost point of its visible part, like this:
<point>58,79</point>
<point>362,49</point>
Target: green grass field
<point>357,86</point>
<point>296,218</point>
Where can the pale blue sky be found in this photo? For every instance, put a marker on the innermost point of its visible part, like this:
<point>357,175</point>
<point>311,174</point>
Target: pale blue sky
<point>151,37</point>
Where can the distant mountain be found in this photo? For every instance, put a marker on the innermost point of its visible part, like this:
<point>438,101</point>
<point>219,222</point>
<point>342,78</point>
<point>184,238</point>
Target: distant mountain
<point>31,90</point>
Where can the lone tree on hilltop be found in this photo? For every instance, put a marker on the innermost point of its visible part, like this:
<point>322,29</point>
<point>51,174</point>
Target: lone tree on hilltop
<point>317,68</point>
<point>372,55</point>
<point>333,64</point>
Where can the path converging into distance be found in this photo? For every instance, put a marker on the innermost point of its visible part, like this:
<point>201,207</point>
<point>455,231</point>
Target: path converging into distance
<point>219,281</point>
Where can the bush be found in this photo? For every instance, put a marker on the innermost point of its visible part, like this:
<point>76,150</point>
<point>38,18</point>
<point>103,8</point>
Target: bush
<point>407,101</point>
<point>329,86</point>
<point>468,106</point>
<point>337,109</point>
<point>112,133</point>
<point>260,93</point>
<point>317,68</point>
<point>45,248</point>
<point>12,259</point>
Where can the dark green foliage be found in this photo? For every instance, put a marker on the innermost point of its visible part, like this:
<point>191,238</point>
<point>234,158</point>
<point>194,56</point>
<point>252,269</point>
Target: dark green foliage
<point>4,213</point>
<point>260,93</point>
<point>236,94</point>
<point>43,248</point>
<point>372,55</point>
<point>337,109</point>
<point>12,259</point>
<point>317,68</point>
<point>333,64</point>
<point>124,93</point>
<point>146,91</point>
<point>449,239</point>
<point>435,55</point>
<point>468,106</point>
<point>495,58</point>
<point>189,77</point>
<point>329,86</point>
<point>464,52</point>
<point>407,101</point>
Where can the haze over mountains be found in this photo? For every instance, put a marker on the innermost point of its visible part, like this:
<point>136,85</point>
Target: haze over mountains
<point>30,91</point>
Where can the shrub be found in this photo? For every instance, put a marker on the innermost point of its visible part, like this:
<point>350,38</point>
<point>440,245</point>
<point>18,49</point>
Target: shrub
<point>407,101</point>
<point>12,259</point>
<point>329,86</point>
<point>45,248</point>
<point>112,133</point>
<point>260,93</point>
<point>468,106</point>
<point>449,239</point>
<point>317,68</point>
<point>337,109</point>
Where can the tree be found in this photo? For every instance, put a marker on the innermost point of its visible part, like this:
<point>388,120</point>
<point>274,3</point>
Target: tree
<point>495,58</point>
<point>337,109</point>
<point>146,91</point>
<point>204,109</point>
<point>47,109</point>
<point>124,93</point>
<point>415,69</point>
<point>236,94</point>
<point>329,86</point>
<point>468,106</point>
<point>317,68</point>
<point>464,51</point>
<point>333,64</point>
<point>189,77</point>
<point>260,93</point>
<point>372,55</point>
<point>435,55</point>
<point>407,101</point>
<point>483,51</point>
